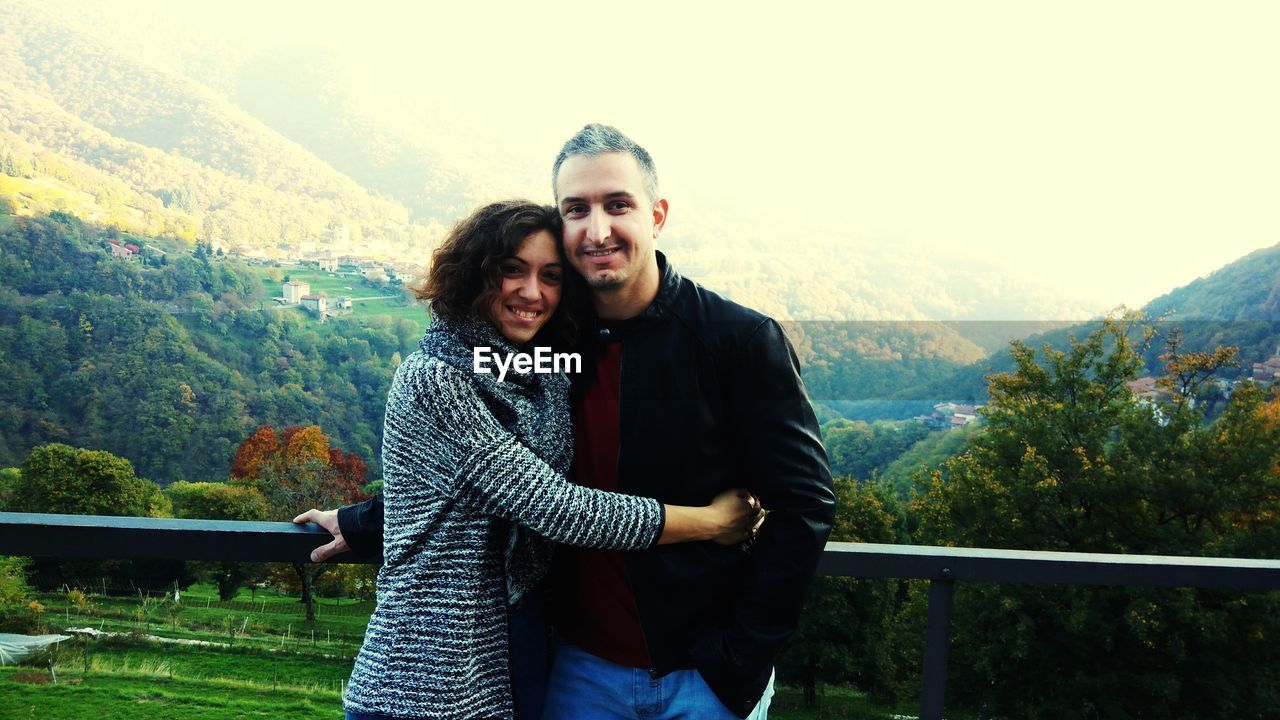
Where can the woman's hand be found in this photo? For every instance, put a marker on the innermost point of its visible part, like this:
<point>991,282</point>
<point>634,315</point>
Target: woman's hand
<point>736,516</point>
<point>732,518</point>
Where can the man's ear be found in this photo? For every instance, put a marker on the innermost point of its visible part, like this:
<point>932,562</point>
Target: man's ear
<point>659,216</point>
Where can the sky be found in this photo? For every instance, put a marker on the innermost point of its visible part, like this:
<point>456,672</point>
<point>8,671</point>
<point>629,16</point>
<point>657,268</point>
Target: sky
<point>1107,151</point>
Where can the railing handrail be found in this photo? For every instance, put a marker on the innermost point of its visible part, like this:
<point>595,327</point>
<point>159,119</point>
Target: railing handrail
<point>103,536</point>
<point>40,534</point>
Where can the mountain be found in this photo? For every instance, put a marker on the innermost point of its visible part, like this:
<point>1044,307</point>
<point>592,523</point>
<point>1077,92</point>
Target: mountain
<point>121,115</point>
<point>1236,305</point>
<point>1245,290</point>
<point>91,129</point>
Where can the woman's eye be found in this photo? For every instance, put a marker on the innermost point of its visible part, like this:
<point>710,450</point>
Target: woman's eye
<point>511,270</point>
<point>553,278</point>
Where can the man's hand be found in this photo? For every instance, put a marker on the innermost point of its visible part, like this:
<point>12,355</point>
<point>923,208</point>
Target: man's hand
<point>327,519</point>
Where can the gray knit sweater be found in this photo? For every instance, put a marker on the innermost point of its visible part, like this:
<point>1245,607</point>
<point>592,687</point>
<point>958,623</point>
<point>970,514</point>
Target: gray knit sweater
<point>466,458</point>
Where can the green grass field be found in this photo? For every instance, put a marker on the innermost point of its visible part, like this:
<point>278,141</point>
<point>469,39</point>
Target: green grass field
<point>263,620</point>
<point>150,697</point>
<point>331,284</point>
<point>280,665</point>
<point>368,301</point>
<point>5,221</point>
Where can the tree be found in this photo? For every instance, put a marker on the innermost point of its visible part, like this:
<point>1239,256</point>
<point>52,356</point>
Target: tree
<point>57,478</point>
<point>296,470</point>
<point>253,452</point>
<point>1068,460</point>
<point>843,635</point>
<point>15,596</point>
<point>221,501</point>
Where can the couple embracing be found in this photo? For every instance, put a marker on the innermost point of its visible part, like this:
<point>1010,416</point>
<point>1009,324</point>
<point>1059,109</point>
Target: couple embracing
<point>668,591</point>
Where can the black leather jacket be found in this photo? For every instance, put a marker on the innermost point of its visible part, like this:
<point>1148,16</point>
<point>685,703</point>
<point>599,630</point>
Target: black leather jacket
<point>711,399</point>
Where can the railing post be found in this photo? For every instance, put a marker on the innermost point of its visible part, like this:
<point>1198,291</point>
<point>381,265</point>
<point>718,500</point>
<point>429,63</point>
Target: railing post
<point>937,647</point>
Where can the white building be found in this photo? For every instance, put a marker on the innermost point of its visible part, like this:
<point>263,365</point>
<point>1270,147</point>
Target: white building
<point>316,303</point>
<point>294,291</point>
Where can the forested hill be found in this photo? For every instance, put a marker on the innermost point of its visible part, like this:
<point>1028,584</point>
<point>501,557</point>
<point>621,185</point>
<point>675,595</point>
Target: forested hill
<point>172,363</point>
<point>132,120</point>
<point>1245,290</point>
<point>88,128</point>
<point>1236,305</point>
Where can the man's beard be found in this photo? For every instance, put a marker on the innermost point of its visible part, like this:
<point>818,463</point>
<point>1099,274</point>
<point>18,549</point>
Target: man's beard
<point>607,280</point>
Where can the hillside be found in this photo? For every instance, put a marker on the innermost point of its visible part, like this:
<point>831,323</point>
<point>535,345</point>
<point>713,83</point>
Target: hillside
<point>149,150</point>
<point>1236,305</point>
<point>152,358</point>
<point>126,117</point>
<point>1245,290</point>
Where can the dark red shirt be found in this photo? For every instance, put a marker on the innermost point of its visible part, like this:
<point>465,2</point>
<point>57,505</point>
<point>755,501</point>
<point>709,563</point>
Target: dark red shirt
<point>595,608</point>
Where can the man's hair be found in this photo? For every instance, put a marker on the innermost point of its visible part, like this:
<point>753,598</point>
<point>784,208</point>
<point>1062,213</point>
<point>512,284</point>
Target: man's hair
<point>466,269</point>
<point>596,139</point>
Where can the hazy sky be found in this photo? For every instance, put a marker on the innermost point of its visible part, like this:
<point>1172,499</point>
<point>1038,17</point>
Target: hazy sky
<point>1044,138</point>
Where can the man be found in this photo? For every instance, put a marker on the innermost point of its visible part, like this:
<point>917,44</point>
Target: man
<point>684,394</point>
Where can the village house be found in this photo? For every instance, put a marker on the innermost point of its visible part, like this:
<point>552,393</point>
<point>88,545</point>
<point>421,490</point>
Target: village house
<point>122,250</point>
<point>949,415</point>
<point>1144,389</point>
<point>1267,370</point>
<point>295,290</point>
<point>318,304</point>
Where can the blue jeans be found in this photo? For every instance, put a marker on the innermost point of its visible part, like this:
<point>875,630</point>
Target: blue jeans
<point>587,687</point>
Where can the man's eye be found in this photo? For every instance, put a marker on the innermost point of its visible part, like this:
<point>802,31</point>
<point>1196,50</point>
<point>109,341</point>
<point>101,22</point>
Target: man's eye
<point>618,205</point>
<point>575,210</point>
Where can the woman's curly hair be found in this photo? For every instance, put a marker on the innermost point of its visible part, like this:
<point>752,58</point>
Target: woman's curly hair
<point>466,271</point>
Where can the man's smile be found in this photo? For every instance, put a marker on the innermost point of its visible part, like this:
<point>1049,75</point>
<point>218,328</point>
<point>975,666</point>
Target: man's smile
<point>602,254</point>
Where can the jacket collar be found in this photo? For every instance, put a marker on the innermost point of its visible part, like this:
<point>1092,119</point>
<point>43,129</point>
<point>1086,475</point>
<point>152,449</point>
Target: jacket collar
<point>668,288</point>
<point>669,283</point>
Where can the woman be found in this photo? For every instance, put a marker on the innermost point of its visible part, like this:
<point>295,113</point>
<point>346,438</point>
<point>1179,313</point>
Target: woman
<point>470,461</point>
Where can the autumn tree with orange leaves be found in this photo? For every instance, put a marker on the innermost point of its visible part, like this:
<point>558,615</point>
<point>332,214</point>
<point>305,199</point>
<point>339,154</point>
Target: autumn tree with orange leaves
<point>296,469</point>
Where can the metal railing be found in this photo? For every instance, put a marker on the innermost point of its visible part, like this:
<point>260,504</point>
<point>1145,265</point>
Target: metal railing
<point>92,536</point>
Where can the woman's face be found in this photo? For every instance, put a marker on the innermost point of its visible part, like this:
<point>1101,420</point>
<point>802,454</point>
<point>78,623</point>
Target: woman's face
<point>530,288</point>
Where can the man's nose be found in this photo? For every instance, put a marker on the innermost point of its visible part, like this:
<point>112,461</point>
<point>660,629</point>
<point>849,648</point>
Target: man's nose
<point>598,227</point>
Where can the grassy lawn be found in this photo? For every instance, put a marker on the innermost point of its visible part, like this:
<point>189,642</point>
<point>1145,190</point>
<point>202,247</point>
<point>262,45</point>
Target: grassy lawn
<point>331,284</point>
<point>336,286</point>
<point>148,692</point>
<point>144,697</point>
<point>265,620</point>
<point>833,702</point>
<point>5,221</point>
<point>276,667</point>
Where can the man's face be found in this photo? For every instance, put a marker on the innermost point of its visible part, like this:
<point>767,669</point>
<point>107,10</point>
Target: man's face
<point>609,224</point>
